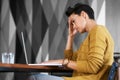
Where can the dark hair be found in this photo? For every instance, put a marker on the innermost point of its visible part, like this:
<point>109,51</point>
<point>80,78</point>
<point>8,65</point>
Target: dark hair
<point>80,7</point>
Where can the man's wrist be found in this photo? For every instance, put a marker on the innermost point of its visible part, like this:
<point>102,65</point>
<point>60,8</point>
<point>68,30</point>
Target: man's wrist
<point>70,36</point>
<point>65,62</point>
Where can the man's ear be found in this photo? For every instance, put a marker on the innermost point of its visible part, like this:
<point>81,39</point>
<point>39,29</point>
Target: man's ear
<point>84,14</point>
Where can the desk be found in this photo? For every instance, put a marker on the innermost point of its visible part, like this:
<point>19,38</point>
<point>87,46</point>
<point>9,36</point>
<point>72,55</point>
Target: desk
<point>26,69</point>
<point>30,68</point>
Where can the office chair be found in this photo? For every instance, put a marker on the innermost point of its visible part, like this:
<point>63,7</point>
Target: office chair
<point>113,71</point>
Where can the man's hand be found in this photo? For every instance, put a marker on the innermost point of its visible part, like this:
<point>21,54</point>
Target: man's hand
<point>72,30</point>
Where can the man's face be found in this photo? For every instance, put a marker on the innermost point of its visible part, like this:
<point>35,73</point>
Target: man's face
<point>78,22</point>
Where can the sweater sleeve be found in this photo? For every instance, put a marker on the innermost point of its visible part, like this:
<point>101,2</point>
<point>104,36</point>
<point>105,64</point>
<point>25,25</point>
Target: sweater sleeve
<point>95,57</point>
<point>70,55</point>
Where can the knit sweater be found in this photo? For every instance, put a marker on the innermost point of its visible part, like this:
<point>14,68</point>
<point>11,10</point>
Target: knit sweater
<point>94,57</point>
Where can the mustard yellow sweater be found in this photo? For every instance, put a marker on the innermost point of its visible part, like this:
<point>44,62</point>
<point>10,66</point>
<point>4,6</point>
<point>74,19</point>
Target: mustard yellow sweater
<point>94,57</point>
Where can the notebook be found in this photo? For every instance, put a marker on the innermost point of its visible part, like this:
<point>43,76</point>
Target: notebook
<point>26,58</point>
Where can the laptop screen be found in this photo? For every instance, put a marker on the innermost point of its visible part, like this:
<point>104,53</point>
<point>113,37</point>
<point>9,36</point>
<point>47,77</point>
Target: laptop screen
<point>24,47</point>
<point>26,58</point>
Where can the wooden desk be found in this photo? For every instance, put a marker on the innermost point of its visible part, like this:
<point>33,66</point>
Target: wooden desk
<point>30,68</point>
<point>26,70</point>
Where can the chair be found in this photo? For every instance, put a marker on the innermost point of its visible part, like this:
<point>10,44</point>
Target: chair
<point>113,71</point>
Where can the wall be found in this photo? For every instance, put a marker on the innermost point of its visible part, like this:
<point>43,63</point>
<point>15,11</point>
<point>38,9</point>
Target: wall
<point>113,21</point>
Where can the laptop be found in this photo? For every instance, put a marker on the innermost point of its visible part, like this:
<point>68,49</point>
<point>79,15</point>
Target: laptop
<point>36,64</point>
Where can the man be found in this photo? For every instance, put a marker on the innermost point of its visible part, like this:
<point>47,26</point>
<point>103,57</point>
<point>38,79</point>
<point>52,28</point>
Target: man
<point>93,59</point>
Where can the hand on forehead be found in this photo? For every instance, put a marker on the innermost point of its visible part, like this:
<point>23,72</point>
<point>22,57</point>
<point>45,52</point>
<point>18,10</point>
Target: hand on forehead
<point>72,18</point>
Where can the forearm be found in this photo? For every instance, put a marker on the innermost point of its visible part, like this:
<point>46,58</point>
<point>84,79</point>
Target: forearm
<point>69,43</point>
<point>72,65</point>
<point>85,66</point>
<point>68,50</point>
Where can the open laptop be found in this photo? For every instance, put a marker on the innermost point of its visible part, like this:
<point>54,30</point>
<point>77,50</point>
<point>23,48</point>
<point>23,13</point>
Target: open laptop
<point>26,58</point>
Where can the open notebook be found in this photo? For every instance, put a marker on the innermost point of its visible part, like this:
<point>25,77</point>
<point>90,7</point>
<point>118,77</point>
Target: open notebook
<point>26,58</point>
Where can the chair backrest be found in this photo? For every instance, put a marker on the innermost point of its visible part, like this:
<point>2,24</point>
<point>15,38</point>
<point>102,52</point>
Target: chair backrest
<point>113,71</point>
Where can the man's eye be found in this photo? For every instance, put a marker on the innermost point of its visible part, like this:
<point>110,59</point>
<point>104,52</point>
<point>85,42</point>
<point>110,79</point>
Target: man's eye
<point>73,21</point>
